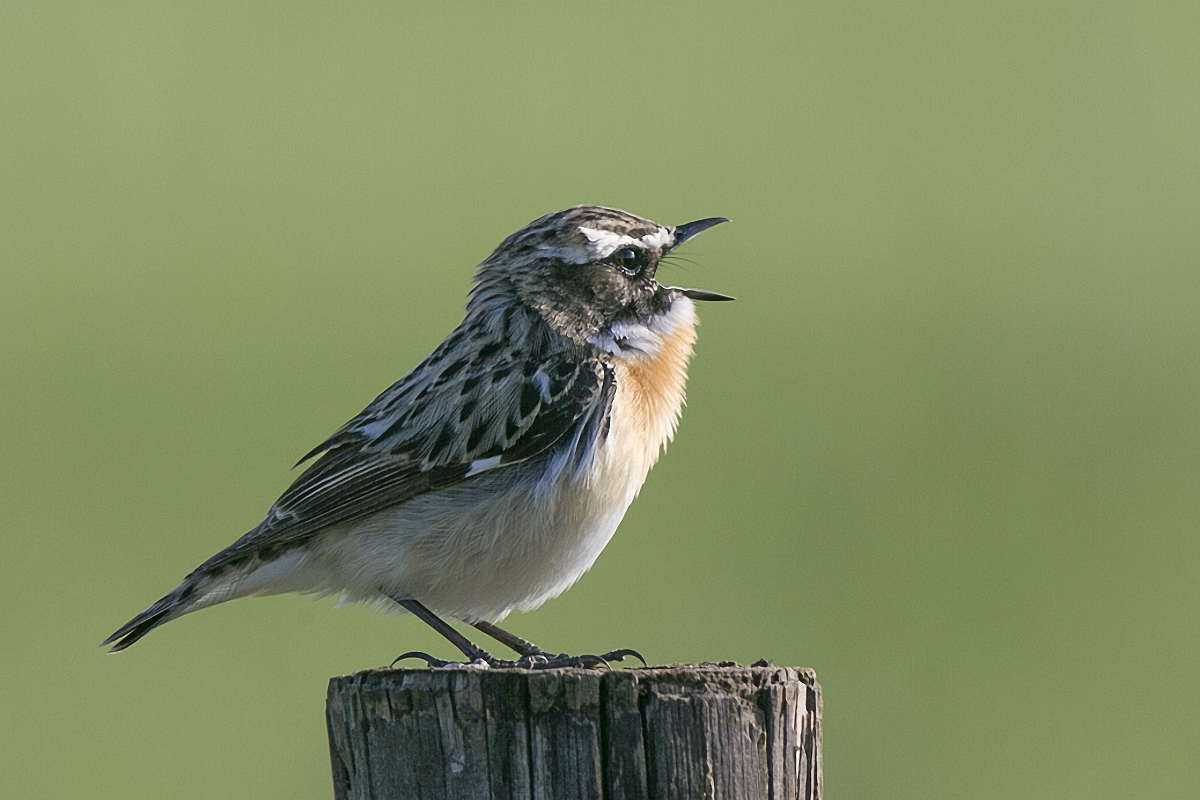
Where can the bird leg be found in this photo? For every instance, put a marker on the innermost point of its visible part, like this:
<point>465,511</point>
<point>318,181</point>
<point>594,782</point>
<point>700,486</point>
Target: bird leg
<point>509,640</point>
<point>532,656</point>
<point>465,645</point>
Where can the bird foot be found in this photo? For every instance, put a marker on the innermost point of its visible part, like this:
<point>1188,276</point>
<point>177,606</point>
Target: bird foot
<point>589,661</point>
<point>534,661</point>
<point>437,663</point>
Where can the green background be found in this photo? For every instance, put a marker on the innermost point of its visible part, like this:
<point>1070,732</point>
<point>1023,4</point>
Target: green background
<point>944,449</point>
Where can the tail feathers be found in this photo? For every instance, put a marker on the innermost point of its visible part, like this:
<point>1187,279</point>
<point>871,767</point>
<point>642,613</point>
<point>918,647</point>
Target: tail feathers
<point>174,605</point>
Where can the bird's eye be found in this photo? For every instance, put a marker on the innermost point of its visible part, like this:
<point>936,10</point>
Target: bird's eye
<point>629,260</point>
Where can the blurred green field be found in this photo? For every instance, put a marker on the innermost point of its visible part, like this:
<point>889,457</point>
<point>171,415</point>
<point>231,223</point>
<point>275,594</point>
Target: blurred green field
<point>944,449</point>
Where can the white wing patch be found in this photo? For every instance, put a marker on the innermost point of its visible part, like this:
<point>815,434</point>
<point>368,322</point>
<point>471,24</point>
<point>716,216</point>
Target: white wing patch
<point>483,465</point>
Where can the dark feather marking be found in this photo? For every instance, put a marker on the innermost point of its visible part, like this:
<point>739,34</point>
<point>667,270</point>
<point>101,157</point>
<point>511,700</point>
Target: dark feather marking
<point>564,370</point>
<point>468,407</point>
<point>558,380</point>
<point>475,438</point>
<point>548,425</point>
<point>469,384</point>
<point>441,444</point>
<point>487,351</point>
<point>529,399</point>
<point>449,372</point>
<point>402,420</point>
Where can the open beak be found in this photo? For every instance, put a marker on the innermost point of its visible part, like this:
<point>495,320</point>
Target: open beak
<point>700,294</point>
<point>682,234</point>
<point>690,229</point>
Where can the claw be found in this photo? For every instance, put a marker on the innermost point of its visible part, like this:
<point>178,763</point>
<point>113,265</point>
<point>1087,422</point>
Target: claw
<point>620,655</point>
<point>430,661</point>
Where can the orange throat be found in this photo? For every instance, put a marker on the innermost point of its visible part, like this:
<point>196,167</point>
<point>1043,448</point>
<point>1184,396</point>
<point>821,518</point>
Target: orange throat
<point>650,386</point>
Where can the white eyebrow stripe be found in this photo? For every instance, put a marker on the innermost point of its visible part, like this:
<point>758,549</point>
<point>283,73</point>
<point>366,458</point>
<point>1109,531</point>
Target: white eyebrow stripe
<point>604,243</point>
<point>660,239</point>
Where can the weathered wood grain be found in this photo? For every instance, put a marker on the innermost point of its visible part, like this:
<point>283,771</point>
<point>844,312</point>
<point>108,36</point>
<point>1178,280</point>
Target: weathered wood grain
<point>711,731</point>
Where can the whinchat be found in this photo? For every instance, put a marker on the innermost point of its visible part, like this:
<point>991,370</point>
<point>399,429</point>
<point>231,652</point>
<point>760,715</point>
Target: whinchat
<point>490,477</point>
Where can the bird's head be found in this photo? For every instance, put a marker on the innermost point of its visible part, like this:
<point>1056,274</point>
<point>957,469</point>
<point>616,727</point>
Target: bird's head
<point>589,271</point>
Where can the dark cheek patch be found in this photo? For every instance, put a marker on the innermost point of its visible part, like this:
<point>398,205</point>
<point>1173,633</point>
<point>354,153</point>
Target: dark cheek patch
<point>610,291</point>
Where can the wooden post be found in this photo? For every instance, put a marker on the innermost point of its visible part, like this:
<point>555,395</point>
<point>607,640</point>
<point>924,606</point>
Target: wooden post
<point>704,731</point>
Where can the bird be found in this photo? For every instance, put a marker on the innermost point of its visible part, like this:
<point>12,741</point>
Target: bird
<point>490,476</point>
